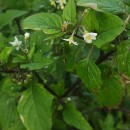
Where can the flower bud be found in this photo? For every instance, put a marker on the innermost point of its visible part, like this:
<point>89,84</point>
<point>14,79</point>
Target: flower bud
<point>27,35</point>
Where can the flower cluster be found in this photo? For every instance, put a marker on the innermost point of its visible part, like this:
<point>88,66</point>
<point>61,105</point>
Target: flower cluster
<point>18,43</point>
<point>87,36</point>
<point>60,3</point>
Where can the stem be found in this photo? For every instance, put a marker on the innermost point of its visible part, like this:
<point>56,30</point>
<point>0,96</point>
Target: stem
<point>104,57</point>
<point>89,54</point>
<point>70,89</point>
<point>6,71</point>
<point>21,49</point>
<point>25,54</point>
<point>79,22</point>
<point>127,20</point>
<point>19,26</point>
<point>99,61</point>
<point>25,43</point>
<point>45,85</point>
<point>104,108</point>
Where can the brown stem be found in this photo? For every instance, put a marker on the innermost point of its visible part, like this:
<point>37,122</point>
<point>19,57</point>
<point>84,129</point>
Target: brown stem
<point>19,26</point>
<point>45,85</point>
<point>107,109</point>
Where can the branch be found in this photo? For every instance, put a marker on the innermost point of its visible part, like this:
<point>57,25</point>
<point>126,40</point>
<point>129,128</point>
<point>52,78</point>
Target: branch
<point>107,109</point>
<point>71,89</point>
<point>75,85</point>
<point>79,37</point>
<point>45,85</point>
<point>7,71</point>
<point>19,26</point>
<point>104,57</point>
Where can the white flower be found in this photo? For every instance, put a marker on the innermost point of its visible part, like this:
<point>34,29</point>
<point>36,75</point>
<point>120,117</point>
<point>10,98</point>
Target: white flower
<point>71,40</point>
<point>27,35</point>
<point>68,99</point>
<point>16,43</point>
<point>61,3</point>
<point>89,36</point>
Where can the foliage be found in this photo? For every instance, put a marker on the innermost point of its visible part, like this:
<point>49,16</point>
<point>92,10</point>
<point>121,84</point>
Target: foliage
<point>64,65</point>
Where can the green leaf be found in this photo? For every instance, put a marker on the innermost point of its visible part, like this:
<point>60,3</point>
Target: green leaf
<point>9,87</point>
<point>35,66</point>
<point>4,55</point>
<point>35,108</point>
<point>108,123</point>
<point>74,118</point>
<point>112,6</point>
<point>112,91</point>
<point>9,16</point>
<point>9,119</point>
<point>14,4</point>
<point>107,26</point>
<point>39,61</point>
<point>38,37</point>
<point>69,12</point>
<point>123,57</point>
<point>19,59</point>
<point>54,36</point>
<point>31,51</point>
<point>49,23</point>
<point>89,74</point>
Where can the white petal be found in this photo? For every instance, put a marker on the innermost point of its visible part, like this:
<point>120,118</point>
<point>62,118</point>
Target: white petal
<point>13,43</point>
<point>17,48</point>
<point>66,40</point>
<point>89,41</point>
<point>85,35</point>
<point>93,37</point>
<point>75,43</point>
<point>16,39</point>
<point>93,34</point>
<point>64,1</point>
<point>19,43</point>
<point>58,1</point>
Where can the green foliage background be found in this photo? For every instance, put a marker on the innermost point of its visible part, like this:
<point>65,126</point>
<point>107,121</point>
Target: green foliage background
<point>53,85</point>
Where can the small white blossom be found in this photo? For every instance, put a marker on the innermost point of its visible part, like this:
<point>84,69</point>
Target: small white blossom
<point>27,35</point>
<point>89,36</point>
<point>16,43</point>
<point>68,99</point>
<point>61,3</point>
<point>71,40</point>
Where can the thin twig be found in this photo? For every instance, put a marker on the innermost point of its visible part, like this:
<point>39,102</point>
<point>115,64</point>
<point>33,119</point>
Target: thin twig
<point>107,109</point>
<point>89,54</point>
<point>7,71</point>
<point>45,85</point>
<point>99,61</point>
<point>71,89</point>
<point>104,57</point>
<point>19,26</point>
<point>127,20</point>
